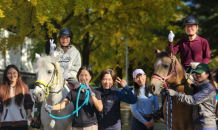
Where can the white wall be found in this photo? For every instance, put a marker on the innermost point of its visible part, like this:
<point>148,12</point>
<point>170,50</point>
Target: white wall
<point>17,57</point>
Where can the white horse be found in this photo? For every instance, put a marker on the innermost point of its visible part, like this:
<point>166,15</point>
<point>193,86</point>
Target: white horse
<point>49,76</point>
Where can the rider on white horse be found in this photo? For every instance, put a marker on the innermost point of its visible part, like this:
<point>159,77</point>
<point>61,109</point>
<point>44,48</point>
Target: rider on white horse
<point>70,60</point>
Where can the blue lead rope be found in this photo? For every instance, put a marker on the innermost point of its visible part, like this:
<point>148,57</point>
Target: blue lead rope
<point>171,113</point>
<point>77,102</point>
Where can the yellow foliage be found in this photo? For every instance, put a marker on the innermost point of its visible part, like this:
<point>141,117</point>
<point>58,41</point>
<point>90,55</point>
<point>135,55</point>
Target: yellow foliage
<point>108,21</point>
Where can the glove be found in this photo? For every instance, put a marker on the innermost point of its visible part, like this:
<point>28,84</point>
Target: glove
<point>52,45</point>
<point>171,36</point>
<point>49,108</point>
<point>194,64</point>
<point>65,76</point>
<point>87,87</point>
<point>171,92</point>
<point>156,115</point>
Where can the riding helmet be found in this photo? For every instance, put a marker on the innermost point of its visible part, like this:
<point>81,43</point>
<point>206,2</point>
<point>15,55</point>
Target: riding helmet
<point>65,32</point>
<point>191,20</point>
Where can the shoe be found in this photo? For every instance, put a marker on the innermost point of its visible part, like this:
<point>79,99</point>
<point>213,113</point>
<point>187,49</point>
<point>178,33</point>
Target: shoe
<point>162,120</point>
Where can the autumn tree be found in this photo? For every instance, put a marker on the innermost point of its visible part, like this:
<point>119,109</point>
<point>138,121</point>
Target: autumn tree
<point>97,26</point>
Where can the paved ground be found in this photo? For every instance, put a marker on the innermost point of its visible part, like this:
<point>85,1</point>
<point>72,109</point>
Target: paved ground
<point>126,118</point>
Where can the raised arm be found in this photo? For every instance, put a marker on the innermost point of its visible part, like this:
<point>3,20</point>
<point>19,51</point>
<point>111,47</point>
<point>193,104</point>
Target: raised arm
<point>127,97</point>
<point>174,49</point>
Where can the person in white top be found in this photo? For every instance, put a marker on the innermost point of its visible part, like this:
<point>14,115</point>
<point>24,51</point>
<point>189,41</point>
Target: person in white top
<point>70,60</point>
<point>15,98</point>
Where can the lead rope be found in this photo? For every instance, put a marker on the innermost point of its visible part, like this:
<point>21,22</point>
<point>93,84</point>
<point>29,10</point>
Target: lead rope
<point>77,102</point>
<point>171,113</point>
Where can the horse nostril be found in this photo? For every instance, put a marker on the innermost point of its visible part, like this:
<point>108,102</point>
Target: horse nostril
<point>153,88</point>
<point>34,95</point>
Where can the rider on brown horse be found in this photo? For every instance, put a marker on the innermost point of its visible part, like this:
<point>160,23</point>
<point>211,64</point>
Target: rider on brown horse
<point>193,49</point>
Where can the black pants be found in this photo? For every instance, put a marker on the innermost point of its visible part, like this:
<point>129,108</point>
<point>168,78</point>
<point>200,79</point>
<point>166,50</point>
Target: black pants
<point>137,125</point>
<point>14,128</point>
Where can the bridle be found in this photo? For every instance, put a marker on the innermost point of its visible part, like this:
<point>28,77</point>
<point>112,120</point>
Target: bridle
<point>163,79</point>
<point>50,83</point>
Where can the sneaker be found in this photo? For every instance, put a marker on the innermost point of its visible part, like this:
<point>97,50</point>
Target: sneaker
<point>162,120</point>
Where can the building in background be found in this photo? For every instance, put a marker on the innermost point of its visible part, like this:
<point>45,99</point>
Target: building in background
<point>20,59</point>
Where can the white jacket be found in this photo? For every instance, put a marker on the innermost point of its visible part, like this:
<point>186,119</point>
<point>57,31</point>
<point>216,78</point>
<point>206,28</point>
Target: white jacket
<point>14,115</point>
<point>69,61</point>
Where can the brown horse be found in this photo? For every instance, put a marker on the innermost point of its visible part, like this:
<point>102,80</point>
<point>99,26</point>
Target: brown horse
<point>170,73</point>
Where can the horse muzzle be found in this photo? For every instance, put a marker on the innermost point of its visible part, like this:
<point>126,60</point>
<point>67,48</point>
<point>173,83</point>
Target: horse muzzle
<point>38,95</point>
<point>155,89</point>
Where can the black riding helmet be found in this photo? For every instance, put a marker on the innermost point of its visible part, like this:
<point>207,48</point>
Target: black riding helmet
<point>191,20</point>
<point>65,32</point>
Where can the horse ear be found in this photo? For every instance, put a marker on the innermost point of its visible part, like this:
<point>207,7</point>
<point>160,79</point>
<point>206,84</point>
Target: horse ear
<point>37,56</point>
<point>56,59</point>
<point>168,50</point>
<point>156,50</point>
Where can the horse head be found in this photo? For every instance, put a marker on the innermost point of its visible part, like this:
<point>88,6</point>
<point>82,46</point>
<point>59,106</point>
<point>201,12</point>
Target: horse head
<point>48,75</point>
<point>165,70</point>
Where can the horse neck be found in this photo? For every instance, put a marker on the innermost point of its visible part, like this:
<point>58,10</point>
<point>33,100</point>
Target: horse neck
<point>55,98</point>
<point>181,78</point>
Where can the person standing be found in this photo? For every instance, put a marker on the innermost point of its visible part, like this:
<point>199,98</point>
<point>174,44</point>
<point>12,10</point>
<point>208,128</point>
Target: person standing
<point>109,118</point>
<point>203,101</point>
<point>14,100</point>
<point>86,119</point>
<point>142,109</point>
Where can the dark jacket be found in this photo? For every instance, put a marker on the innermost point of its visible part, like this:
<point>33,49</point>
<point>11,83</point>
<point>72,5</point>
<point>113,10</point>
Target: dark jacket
<point>109,118</point>
<point>87,114</point>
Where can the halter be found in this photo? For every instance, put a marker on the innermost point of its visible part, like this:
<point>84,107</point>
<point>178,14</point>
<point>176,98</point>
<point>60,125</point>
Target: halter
<point>55,72</point>
<point>169,75</point>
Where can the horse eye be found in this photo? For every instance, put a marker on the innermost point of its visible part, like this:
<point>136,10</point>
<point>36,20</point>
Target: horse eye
<point>49,71</point>
<point>165,65</point>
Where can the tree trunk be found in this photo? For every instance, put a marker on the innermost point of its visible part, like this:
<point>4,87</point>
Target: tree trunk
<point>119,73</point>
<point>86,50</point>
<point>130,78</point>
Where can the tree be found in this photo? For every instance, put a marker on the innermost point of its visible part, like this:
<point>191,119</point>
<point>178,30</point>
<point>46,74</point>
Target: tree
<point>97,27</point>
<point>207,14</point>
